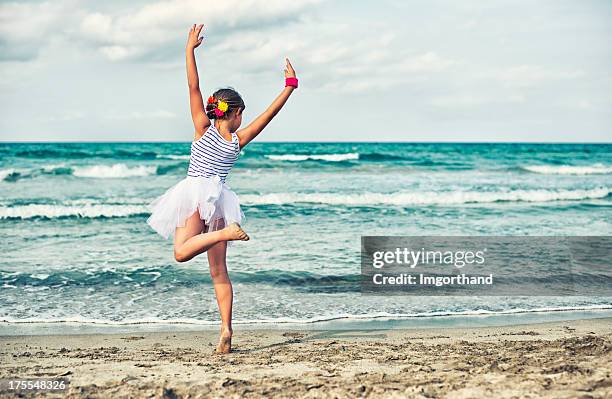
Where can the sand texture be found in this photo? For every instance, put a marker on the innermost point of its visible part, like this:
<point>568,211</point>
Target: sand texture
<point>554,360</point>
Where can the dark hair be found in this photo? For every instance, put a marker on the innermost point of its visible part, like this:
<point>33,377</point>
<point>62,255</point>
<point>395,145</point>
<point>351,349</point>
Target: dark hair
<point>227,95</point>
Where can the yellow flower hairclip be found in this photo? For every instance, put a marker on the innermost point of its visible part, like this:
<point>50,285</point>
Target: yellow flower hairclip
<point>222,106</point>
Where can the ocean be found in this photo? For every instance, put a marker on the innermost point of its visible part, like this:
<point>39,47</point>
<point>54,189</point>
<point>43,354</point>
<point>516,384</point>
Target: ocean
<point>77,251</point>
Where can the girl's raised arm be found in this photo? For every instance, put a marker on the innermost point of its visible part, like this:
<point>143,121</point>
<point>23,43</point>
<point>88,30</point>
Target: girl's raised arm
<point>254,128</point>
<point>198,113</point>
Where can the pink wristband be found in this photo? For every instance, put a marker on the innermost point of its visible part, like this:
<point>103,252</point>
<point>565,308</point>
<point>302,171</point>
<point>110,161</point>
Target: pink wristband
<point>291,82</point>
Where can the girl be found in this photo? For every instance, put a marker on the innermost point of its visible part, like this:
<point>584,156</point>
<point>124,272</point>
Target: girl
<point>201,211</point>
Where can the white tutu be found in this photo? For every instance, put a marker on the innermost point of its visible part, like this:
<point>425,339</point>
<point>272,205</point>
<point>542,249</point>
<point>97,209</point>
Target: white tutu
<point>214,201</point>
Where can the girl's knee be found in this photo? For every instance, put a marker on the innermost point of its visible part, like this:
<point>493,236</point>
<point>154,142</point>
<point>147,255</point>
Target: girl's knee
<point>180,255</point>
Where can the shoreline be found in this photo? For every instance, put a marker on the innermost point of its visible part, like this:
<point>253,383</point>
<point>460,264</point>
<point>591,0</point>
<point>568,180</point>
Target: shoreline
<point>553,359</point>
<point>349,322</point>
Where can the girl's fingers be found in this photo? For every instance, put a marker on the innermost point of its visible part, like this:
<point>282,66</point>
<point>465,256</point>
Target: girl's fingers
<point>289,71</point>
<point>196,28</point>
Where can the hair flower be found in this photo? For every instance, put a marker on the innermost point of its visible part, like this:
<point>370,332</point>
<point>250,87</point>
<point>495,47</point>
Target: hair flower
<point>222,106</point>
<point>211,100</point>
<point>218,112</point>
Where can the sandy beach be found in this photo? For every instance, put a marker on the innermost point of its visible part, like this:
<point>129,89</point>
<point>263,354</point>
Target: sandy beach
<point>553,360</point>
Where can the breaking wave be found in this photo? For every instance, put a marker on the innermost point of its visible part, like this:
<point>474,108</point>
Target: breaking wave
<point>569,169</point>
<point>425,198</point>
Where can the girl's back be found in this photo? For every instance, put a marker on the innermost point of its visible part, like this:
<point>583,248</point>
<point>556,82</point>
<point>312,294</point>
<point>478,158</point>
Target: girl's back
<point>212,155</point>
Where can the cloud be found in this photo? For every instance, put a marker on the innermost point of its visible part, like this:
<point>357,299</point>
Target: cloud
<point>332,56</point>
<point>502,86</point>
<point>534,75</point>
<point>25,28</point>
<point>142,33</point>
<point>255,34</point>
<point>158,114</point>
<point>66,116</point>
<point>390,69</point>
<point>452,101</point>
<point>439,65</point>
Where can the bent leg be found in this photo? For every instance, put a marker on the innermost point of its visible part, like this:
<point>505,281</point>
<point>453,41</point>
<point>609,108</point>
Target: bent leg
<point>190,240</point>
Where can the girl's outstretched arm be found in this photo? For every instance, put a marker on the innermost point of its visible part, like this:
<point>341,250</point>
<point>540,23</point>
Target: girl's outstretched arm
<point>198,113</point>
<point>254,128</point>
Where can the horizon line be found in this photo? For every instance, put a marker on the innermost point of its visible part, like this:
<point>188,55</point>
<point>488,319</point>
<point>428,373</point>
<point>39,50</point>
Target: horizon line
<point>297,141</point>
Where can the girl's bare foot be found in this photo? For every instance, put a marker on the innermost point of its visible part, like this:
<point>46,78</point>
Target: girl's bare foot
<point>225,341</point>
<point>235,232</point>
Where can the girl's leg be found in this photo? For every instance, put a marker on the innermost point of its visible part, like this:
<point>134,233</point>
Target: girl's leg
<point>223,292</point>
<point>190,240</point>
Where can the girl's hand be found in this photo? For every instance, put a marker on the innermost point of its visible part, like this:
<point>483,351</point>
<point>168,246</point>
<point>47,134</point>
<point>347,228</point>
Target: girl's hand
<point>194,39</point>
<point>289,71</point>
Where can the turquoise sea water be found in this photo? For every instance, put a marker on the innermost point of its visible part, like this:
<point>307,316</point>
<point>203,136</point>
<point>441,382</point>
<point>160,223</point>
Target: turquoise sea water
<point>76,246</point>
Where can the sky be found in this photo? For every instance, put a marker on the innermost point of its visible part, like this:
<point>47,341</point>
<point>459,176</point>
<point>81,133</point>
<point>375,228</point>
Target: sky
<point>388,70</point>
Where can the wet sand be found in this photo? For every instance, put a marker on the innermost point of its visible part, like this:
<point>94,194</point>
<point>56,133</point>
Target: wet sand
<point>553,360</point>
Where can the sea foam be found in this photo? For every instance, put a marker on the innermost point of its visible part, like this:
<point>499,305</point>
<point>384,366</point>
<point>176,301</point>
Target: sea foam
<point>173,156</point>
<point>478,313</point>
<point>4,173</point>
<point>319,157</point>
<point>138,206</point>
<point>569,169</point>
<point>425,198</point>
<point>56,211</point>
<point>117,170</point>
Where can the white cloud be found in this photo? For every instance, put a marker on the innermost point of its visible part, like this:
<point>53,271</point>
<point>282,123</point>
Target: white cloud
<point>97,26</point>
<point>121,64</point>
<point>465,100</point>
<point>255,34</point>
<point>268,31</point>
<point>118,53</point>
<point>143,31</point>
<point>392,68</point>
<point>517,98</point>
<point>26,21</point>
<point>428,62</point>
<point>156,114</point>
<point>533,75</point>
<point>26,27</point>
<point>329,57</point>
<point>584,104</point>
<point>66,116</point>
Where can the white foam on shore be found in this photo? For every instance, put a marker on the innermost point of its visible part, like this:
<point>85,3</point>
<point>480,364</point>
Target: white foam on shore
<point>319,157</point>
<point>85,211</point>
<point>569,169</point>
<point>424,198</point>
<point>117,170</point>
<point>288,320</point>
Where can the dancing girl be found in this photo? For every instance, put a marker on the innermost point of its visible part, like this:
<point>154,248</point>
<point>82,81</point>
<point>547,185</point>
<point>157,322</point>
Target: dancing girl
<point>200,211</point>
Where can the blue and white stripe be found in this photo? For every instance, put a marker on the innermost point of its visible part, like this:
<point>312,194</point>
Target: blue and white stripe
<point>212,155</point>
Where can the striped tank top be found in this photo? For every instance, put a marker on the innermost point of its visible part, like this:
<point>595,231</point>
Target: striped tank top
<point>212,155</point>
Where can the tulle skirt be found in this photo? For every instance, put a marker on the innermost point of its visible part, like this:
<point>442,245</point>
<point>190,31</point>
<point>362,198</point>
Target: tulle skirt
<point>216,204</point>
